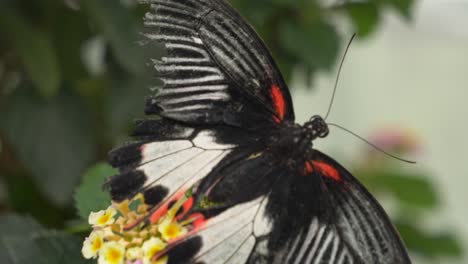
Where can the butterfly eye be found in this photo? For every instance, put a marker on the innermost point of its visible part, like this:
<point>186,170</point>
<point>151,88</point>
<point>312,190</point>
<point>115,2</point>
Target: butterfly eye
<point>324,132</point>
<point>317,127</point>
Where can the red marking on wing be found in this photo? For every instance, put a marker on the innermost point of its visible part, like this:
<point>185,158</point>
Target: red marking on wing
<point>308,169</point>
<point>327,170</point>
<point>199,220</point>
<point>278,102</point>
<point>158,213</point>
<point>163,208</point>
<point>185,208</point>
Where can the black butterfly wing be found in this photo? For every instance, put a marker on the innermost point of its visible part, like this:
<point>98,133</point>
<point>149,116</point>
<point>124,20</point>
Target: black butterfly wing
<point>353,228</point>
<point>170,157</point>
<point>217,70</point>
<point>238,223</point>
<point>317,214</point>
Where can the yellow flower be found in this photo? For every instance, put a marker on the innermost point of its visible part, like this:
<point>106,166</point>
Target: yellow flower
<point>122,207</point>
<point>171,229</point>
<point>111,253</point>
<point>102,218</point>
<point>120,236</point>
<point>134,253</point>
<point>150,248</point>
<point>92,244</point>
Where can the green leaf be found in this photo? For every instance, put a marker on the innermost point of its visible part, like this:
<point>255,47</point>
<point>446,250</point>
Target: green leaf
<point>120,29</point>
<point>316,43</point>
<point>410,189</point>
<point>365,17</point>
<point>404,7</point>
<point>24,244</point>
<point>90,196</point>
<point>35,50</point>
<point>53,139</point>
<point>427,243</point>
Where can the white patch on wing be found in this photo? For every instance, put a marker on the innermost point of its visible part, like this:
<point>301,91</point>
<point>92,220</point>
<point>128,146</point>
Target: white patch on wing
<point>185,133</point>
<point>228,246</point>
<point>324,247</point>
<point>262,223</point>
<point>206,88</point>
<point>206,139</point>
<point>207,169</point>
<point>188,30</point>
<point>229,228</point>
<point>189,108</point>
<point>179,164</point>
<point>168,60</point>
<point>202,52</point>
<point>311,233</point>
<point>191,81</point>
<point>192,171</point>
<point>172,67</point>
<point>317,244</point>
<point>243,253</point>
<point>256,82</point>
<point>216,96</point>
<point>235,216</point>
<point>197,40</point>
<point>160,37</point>
<point>156,150</point>
<point>292,248</point>
<point>158,168</point>
<point>336,242</point>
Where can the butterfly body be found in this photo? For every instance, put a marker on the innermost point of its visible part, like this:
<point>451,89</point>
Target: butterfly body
<point>295,141</point>
<point>226,131</point>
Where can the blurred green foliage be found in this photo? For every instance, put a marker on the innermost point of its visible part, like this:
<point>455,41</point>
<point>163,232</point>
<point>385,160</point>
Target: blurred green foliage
<point>23,240</point>
<point>72,80</point>
<point>414,197</point>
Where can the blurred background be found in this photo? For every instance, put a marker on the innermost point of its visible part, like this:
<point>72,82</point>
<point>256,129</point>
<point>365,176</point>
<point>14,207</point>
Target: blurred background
<point>73,80</point>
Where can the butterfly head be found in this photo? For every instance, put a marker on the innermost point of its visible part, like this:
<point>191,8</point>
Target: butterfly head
<point>316,127</point>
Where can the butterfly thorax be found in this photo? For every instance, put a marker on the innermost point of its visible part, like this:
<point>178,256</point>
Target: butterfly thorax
<point>295,140</point>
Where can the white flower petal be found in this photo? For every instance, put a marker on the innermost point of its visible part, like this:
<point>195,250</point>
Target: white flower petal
<point>102,218</point>
<point>92,244</point>
<point>151,247</point>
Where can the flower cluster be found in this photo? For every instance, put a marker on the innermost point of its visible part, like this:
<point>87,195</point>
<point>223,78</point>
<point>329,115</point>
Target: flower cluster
<point>119,236</point>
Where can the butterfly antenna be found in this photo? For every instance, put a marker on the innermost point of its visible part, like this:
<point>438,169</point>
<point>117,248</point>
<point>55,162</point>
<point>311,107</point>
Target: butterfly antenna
<point>338,76</point>
<point>371,144</point>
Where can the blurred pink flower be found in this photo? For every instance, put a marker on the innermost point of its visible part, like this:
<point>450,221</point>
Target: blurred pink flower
<point>396,140</point>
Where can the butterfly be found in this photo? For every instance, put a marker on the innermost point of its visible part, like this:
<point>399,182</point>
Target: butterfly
<point>222,125</point>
